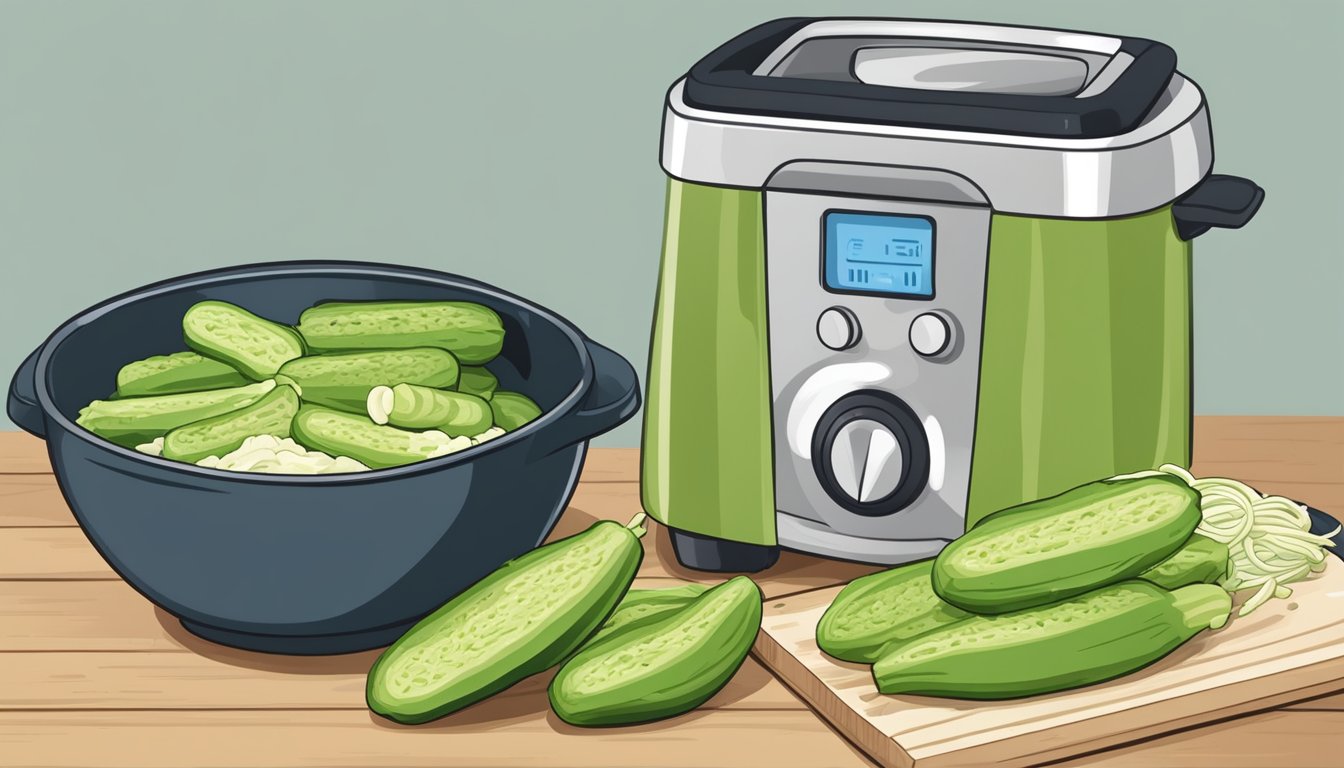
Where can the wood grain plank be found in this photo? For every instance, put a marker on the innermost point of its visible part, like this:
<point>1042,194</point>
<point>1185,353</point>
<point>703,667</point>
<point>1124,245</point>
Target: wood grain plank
<point>611,465</point>
<point>226,678</point>
<point>20,452</point>
<point>1298,457</point>
<point>1331,701</point>
<point>1283,738</point>
<point>1277,655</point>
<point>50,553</point>
<point>1309,441</point>
<point>238,739</point>
<point>78,616</point>
<point>180,680</point>
<point>32,500</point>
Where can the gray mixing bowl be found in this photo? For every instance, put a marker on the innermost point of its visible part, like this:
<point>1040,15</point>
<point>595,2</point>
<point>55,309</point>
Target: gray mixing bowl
<point>320,564</point>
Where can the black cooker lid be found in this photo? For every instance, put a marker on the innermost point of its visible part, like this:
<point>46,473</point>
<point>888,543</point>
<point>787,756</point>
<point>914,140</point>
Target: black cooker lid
<point>869,71</point>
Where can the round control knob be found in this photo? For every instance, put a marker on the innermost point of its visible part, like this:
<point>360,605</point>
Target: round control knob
<point>931,334</point>
<point>838,328</point>
<point>870,453</point>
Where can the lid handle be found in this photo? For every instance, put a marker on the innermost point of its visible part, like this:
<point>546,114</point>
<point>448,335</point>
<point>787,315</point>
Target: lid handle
<point>1223,201</point>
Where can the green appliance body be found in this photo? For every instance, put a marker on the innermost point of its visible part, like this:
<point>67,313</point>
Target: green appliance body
<point>886,310</point>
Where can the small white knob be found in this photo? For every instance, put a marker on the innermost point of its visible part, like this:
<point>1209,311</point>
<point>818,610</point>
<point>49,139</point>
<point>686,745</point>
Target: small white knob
<point>838,328</point>
<point>931,334</point>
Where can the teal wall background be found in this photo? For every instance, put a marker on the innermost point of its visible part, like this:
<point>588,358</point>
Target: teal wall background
<point>516,142</point>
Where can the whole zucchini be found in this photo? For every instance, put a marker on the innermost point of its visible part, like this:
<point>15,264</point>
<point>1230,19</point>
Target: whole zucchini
<point>521,619</point>
<point>873,610</point>
<point>1200,560</point>
<point>666,668</point>
<point>1087,639</point>
<point>134,420</point>
<point>337,433</point>
<point>472,332</point>
<point>254,345</point>
<point>512,410</point>
<point>1047,550</point>
<point>477,380</point>
<point>178,372</point>
<point>343,381</point>
<point>641,607</point>
<point>218,435</point>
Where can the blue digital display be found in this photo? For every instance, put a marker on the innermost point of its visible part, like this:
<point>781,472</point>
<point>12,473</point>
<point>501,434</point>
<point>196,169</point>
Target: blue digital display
<point>879,253</point>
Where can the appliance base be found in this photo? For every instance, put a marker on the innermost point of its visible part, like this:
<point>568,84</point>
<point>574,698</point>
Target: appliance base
<point>706,553</point>
<point>815,538</point>
<point>299,645</point>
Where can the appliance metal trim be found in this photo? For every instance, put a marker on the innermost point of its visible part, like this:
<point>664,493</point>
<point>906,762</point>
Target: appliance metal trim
<point>1124,175</point>
<point>809,536</point>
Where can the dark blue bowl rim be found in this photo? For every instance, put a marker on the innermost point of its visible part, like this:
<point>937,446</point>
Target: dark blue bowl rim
<point>323,268</point>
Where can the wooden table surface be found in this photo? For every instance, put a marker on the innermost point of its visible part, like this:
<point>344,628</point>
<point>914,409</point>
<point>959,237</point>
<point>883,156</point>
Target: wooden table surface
<point>93,674</point>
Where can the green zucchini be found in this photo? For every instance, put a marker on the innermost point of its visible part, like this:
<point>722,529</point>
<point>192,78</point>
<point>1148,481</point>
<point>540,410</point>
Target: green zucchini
<point>338,433</point>
<point>663,669</point>
<point>472,332</point>
<point>343,381</point>
<point>512,410</point>
<point>1086,639</point>
<point>1200,560</point>
<point>414,407</point>
<point>1048,550</point>
<point>874,610</point>
<point>218,435</point>
<point>477,380</point>
<point>134,420</point>
<point>254,345</point>
<point>525,617</point>
<point>178,372</point>
<point>641,607</point>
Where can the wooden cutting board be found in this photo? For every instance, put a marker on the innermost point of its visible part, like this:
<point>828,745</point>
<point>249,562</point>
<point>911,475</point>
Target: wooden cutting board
<point>1286,651</point>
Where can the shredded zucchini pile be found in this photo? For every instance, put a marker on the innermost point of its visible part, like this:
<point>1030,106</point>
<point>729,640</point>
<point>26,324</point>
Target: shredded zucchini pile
<point>1268,537</point>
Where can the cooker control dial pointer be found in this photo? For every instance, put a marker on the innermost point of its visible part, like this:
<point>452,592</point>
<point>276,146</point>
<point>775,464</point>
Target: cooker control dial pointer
<point>866,459</point>
<point>838,328</point>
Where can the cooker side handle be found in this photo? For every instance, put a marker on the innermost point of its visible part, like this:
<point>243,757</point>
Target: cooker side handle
<point>1228,202</point>
<point>22,406</point>
<point>613,398</point>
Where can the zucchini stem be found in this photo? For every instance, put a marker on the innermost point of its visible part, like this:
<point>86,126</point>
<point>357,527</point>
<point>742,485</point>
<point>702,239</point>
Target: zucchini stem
<point>1202,606</point>
<point>636,525</point>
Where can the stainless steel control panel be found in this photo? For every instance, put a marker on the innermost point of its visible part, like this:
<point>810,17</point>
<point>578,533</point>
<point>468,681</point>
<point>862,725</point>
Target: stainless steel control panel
<point>874,387</point>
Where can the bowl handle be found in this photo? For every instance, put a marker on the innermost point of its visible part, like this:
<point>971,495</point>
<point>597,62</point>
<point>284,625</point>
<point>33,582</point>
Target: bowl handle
<point>613,398</point>
<point>22,407</point>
